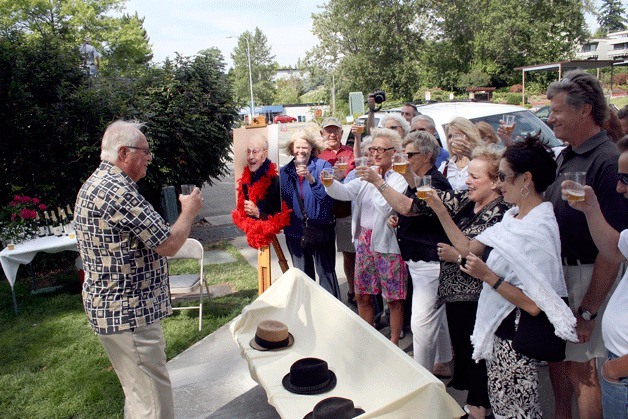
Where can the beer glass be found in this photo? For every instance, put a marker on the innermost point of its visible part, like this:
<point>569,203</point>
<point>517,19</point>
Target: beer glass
<point>509,122</point>
<point>187,189</point>
<point>327,176</point>
<point>342,163</point>
<point>400,163</point>
<point>575,190</point>
<point>424,186</point>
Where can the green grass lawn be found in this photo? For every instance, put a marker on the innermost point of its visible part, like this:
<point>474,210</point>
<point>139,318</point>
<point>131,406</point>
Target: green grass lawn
<point>620,102</point>
<point>52,364</point>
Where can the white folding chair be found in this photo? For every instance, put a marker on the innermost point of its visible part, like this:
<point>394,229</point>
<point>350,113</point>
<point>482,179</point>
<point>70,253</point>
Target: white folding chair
<point>190,284</point>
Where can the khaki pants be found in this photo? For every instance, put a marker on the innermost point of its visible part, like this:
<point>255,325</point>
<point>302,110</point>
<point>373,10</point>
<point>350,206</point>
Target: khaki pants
<point>139,360</point>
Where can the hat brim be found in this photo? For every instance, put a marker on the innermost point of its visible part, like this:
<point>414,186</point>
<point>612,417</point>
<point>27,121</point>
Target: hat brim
<point>292,389</point>
<point>257,347</point>
<point>356,412</point>
<point>332,125</point>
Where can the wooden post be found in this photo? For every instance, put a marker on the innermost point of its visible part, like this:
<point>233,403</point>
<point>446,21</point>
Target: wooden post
<point>263,269</point>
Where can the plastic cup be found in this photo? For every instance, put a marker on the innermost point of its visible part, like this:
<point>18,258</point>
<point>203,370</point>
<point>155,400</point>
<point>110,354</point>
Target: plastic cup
<point>187,189</point>
<point>327,176</point>
<point>575,192</point>
<point>509,122</point>
<point>361,161</point>
<point>400,163</point>
<point>424,186</point>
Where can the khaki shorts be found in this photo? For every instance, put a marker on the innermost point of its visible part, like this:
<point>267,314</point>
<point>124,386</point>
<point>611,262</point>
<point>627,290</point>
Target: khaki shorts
<point>578,279</point>
<point>344,242</point>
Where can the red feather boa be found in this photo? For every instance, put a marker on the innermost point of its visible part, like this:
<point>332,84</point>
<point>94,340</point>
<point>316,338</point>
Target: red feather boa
<point>259,233</point>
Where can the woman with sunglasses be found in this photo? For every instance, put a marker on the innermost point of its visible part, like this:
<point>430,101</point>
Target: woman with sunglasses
<point>462,138</point>
<point>614,247</point>
<point>522,272</point>
<point>378,265</point>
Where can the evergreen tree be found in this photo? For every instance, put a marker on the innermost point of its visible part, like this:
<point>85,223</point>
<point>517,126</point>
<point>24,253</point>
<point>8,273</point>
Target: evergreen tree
<point>612,17</point>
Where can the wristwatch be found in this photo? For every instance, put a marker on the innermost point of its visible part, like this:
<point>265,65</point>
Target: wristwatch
<point>586,314</point>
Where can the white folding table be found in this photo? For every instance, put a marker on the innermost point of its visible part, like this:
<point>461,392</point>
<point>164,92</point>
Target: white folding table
<point>24,253</point>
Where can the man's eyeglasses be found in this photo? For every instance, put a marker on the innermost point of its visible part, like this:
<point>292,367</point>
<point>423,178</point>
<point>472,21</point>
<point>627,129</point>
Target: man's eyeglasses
<point>503,176</point>
<point>145,150</point>
<point>253,152</point>
<point>379,150</point>
<point>623,178</point>
<point>418,129</point>
<point>412,154</point>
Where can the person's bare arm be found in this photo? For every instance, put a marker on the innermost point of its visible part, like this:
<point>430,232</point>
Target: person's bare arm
<point>616,368</point>
<point>370,120</point>
<point>180,230</point>
<point>604,235</point>
<point>455,235</point>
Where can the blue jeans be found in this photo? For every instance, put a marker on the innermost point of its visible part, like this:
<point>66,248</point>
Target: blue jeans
<point>614,396</point>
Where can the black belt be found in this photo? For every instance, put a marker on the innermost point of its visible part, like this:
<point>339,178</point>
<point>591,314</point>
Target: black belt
<point>572,261</point>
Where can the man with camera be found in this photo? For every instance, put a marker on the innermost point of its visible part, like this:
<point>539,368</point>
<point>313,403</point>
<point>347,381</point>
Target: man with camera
<point>375,98</point>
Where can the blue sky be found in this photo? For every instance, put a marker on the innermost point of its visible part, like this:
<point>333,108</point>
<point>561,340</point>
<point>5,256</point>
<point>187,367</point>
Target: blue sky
<point>188,26</point>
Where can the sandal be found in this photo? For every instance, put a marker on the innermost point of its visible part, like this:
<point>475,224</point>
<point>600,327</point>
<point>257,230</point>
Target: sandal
<point>351,298</point>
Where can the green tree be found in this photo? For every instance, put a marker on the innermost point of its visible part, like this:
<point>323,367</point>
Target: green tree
<point>368,46</point>
<point>612,16</point>
<point>52,121</point>
<point>122,40</point>
<point>263,66</point>
<point>289,90</point>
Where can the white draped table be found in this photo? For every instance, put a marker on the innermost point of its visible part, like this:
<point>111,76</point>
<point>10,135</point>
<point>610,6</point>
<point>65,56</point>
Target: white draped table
<point>24,253</point>
<point>378,376</point>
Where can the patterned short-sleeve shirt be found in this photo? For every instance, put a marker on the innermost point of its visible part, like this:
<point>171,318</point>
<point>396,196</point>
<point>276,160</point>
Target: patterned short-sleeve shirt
<point>126,281</point>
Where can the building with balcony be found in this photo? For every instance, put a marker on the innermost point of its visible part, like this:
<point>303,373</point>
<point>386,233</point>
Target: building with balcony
<point>613,47</point>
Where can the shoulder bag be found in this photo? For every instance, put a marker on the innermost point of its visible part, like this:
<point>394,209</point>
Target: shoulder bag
<point>315,236</point>
<point>535,338</point>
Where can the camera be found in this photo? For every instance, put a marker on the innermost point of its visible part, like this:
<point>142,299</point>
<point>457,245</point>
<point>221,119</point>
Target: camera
<point>379,96</point>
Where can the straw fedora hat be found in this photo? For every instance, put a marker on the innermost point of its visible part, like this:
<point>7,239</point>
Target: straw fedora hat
<point>271,335</point>
<point>334,408</point>
<point>309,376</point>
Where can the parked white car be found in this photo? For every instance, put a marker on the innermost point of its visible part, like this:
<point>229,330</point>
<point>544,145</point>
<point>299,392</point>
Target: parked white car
<point>444,112</point>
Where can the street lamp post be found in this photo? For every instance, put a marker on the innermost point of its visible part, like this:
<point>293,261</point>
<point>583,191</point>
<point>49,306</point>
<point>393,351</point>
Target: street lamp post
<point>248,54</point>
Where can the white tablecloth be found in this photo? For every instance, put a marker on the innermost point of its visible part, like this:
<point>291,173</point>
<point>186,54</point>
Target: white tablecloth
<point>378,376</point>
<point>25,252</point>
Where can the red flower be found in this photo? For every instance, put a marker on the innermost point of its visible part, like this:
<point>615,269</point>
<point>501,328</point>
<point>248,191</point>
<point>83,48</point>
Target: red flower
<point>17,198</point>
<point>35,201</point>
<point>27,214</point>
<point>42,207</point>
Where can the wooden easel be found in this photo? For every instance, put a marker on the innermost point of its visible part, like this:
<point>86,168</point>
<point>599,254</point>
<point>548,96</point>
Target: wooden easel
<point>263,265</point>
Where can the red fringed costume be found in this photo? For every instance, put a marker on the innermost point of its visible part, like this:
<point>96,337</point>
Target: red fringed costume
<point>260,231</point>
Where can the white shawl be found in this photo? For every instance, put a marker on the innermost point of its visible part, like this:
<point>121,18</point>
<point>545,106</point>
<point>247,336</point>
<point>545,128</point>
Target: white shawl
<point>526,253</point>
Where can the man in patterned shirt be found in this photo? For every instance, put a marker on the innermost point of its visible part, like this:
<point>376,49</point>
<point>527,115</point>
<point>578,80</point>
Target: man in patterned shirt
<point>123,242</point>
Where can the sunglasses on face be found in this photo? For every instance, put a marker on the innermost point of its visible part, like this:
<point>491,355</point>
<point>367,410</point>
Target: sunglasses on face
<point>623,178</point>
<point>418,129</point>
<point>412,154</point>
<point>503,176</point>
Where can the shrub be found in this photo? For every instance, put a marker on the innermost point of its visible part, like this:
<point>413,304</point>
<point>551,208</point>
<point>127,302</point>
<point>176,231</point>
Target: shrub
<point>516,88</point>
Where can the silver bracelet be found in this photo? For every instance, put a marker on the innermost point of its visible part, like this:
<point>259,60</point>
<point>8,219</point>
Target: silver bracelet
<point>382,187</point>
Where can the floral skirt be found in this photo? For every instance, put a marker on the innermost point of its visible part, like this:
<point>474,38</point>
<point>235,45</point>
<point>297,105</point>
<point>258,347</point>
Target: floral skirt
<point>377,273</point>
<point>513,382</point>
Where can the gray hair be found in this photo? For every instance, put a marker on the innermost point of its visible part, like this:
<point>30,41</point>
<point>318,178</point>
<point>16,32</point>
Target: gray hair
<point>430,121</point>
<point>313,139</point>
<point>398,118</point>
<point>119,134</point>
<point>425,143</point>
<point>582,89</point>
<point>390,134</point>
<point>491,154</point>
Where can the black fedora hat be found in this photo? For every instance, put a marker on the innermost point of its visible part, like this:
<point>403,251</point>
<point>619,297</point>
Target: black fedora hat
<point>271,335</point>
<point>309,376</point>
<point>334,408</point>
